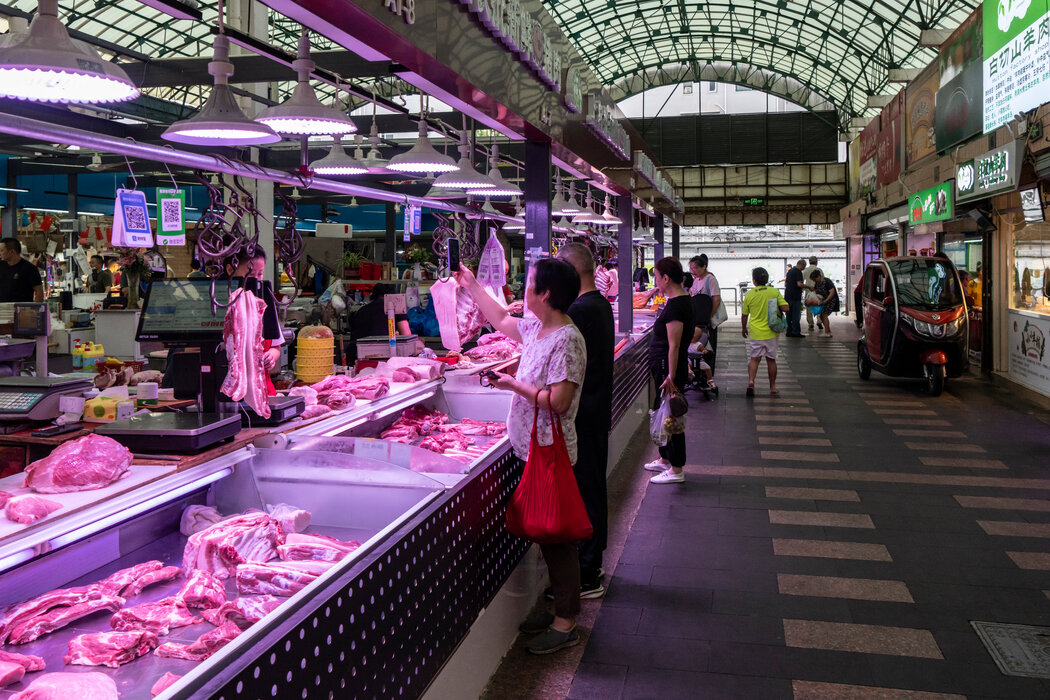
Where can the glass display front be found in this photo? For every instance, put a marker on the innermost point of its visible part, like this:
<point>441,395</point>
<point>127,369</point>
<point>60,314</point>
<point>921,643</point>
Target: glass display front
<point>1030,255</point>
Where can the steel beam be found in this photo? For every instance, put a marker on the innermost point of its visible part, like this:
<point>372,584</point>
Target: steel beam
<point>658,233</point>
<point>625,265</point>
<point>250,68</point>
<point>537,201</point>
<point>676,238</point>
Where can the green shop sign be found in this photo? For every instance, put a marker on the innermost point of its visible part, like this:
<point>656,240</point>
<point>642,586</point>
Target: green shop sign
<point>989,173</point>
<point>934,204</point>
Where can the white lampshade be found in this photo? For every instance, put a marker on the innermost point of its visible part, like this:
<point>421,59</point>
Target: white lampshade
<point>338,161</point>
<point>422,158</point>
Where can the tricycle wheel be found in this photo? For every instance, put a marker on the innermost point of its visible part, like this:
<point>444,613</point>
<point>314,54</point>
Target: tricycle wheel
<point>934,375</point>
<point>863,363</point>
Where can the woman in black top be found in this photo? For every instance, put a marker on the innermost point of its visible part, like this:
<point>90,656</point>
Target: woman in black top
<point>829,298</point>
<point>668,361</point>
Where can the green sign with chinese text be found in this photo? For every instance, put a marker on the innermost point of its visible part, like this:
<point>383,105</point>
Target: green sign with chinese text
<point>933,204</point>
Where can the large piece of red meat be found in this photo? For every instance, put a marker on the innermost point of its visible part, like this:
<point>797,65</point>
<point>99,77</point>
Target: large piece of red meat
<point>158,576</point>
<point>119,582</point>
<point>159,617</point>
<point>205,645</point>
<point>242,335</point>
<point>302,547</point>
<point>87,463</point>
<point>244,611</point>
<point>282,578</point>
<point>28,509</point>
<point>11,673</point>
<point>163,683</point>
<point>35,627</point>
<point>111,649</point>
<point>38,605</point>
<point>243,538</point>
<point>202,590</point>
<point>26,661</point>
<point>70,686</point>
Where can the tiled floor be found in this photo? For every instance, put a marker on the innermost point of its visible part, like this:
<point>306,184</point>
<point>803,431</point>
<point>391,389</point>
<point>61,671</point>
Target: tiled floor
<point>829,543</point>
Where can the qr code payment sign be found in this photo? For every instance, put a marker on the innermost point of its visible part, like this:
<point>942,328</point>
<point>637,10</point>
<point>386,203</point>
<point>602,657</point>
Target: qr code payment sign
<point>170,215</point>
<point>135,216</point>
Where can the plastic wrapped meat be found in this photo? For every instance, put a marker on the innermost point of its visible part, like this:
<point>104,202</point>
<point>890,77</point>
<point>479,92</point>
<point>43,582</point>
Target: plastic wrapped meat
<point>159,618</point>
<point>29,509</point>
<point>197,518</point>
<point>205,645</point>
<point>242,335</point>
<point>110,649</point>
<point>292,519</point>
<point>163,683</point>
<point>242,538</point>
<point>244,611</point>
<point>458,314</point>
<point>87,463</point>
<point>26,661</point>
<point>63,686</point>
<point>202,590</point>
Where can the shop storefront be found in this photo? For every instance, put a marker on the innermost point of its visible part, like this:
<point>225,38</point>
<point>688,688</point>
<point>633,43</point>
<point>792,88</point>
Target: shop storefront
<point>1025,359</point>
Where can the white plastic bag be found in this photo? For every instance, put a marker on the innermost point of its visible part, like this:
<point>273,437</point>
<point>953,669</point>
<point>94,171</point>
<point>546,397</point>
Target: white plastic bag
<point>658,422</point>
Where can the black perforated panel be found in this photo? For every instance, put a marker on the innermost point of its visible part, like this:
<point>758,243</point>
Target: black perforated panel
<point>630,374</point>
<point>387,628</point>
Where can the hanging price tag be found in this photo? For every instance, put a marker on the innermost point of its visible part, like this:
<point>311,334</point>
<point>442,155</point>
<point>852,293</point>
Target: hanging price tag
<point>171,217</point>
<point>131,226</point>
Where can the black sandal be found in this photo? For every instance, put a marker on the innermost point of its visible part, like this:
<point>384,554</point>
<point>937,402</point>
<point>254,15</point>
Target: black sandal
<point>750,391</point>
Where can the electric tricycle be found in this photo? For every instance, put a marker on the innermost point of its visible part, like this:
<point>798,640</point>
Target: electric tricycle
<point>915,321</point>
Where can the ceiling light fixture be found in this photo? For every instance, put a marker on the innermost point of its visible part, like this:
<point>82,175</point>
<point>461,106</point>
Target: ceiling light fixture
<point>302,114</point>
<point>338,161</point>
<point>558,204</point>
<point>588,216</point>
<point>572,207</point>
<point>502,187</point>
<point>374,161</point>
<point>422,158</point>
<point>610,219</point>
<point>518,224</point>
<point>45,65</point>
<point>220,122</point>
<point>465,177</point>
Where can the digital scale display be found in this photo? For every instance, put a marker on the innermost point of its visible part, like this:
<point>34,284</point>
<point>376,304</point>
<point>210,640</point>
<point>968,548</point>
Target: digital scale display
<point>180,311</point>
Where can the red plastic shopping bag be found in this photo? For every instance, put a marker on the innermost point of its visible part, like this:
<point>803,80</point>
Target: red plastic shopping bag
<point>547,507</point>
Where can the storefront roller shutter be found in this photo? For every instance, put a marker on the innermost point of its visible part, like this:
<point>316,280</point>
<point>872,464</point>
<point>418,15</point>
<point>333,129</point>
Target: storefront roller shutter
<point>783,138</point>
<point>715,139</point>
<point>748,138</point>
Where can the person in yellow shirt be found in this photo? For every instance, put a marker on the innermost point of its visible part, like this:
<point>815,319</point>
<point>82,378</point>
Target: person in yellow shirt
<point>762,340</point>
<point>975,286</point>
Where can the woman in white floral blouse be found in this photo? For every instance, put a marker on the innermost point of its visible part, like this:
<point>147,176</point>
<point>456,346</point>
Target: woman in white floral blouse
<point>553,362</point>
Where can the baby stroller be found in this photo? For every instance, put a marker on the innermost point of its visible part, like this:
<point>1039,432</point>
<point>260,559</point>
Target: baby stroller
<point>701,356</point>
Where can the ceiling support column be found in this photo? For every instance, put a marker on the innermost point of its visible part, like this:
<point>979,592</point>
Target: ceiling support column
<point>658,233</point>
<point>675,237</point>
<point>537,202</point>
<point>625,265</point>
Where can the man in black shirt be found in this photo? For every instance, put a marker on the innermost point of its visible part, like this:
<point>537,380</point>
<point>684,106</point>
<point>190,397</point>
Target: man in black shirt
<point>592,314</point>
<point>793,289</point>
<point>99,279</point>
<point>19,278</point>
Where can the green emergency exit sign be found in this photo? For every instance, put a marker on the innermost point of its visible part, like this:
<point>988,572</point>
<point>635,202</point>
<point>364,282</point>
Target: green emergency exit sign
<point>754,201</point>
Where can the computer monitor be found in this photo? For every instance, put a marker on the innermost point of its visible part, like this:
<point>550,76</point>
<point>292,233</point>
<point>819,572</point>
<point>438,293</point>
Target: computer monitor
<point>180,311</point>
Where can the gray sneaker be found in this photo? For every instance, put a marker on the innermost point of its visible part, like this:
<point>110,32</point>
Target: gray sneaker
<point>536,622</point>
<point>552,640</point>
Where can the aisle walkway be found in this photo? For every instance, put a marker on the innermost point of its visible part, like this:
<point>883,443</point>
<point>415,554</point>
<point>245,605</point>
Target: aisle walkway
<point>834,542</point>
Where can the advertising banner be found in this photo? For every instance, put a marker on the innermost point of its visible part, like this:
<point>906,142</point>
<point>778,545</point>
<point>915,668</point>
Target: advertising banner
<point>889,150</point>
<point>869,140</point>
<point>929,205</point>
<point>989,173</point>
<point>1029,362</point>
<point>959,113</point>
<point>854,170</point>
<point>868,176</point>
<point>1016,58</point>
<point>920,103</point>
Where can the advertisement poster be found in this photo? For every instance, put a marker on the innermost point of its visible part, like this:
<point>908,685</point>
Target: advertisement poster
<point>1016,58</point>
<point>960,99</point>
<point>889,151</point>
<point>869,176</point>
<point>929,205</point>
<point>1029,362</point>
<point>869,139</point>
<point>854,170</point>
<point>919,135</point>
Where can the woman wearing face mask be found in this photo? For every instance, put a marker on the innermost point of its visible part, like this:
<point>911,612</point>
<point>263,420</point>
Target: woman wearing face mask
<point>551,369</point>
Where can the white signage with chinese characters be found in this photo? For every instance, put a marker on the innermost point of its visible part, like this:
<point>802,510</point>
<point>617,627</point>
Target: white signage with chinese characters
<point>600,118</point>
<point>1016,58</point>
<point>645,167</point>
<point>512,25</point>
<point>1029,360</point>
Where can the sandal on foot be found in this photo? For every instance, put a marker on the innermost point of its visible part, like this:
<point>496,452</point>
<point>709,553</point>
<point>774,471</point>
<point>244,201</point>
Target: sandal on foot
<point>750,390</point>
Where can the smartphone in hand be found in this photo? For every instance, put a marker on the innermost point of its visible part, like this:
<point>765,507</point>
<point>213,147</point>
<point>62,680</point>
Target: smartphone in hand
<point>453,254</point>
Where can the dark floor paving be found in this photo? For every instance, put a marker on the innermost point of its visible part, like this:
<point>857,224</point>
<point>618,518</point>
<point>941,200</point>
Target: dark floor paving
<point>695,609</point>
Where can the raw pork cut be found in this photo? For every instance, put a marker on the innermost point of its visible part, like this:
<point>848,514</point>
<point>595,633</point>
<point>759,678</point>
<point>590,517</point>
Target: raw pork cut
<point>242,538</point>
<point>158,576</point>
<point>458,315</point>
<point>67,686</point>
<point>242,334</point>
<point>19,612</point>
<point>476,427</point>
<point>315,411</point>
<point>492,347</point>
<point>111,649</point>
<point>29,509</point>
<point>202,590</point>
<point>36,627</point>
<point>197,518</point>
<point>336,387</point>
<point>87,463</point>
<point>309,394</point>
<point>159,618</point>
<point>4,495</point>
<point>26,661</point>
<point>11,673</point>
<point>119,581</point>
<point>291,519</point>
<point>315,548</point>
<point>206,645</point>
<point>283,578</point>
<point>163,683</point>
<point>244,611</point>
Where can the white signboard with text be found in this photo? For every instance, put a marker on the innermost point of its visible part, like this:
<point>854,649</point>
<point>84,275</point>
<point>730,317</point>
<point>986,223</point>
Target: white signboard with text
<point>1029,360</point>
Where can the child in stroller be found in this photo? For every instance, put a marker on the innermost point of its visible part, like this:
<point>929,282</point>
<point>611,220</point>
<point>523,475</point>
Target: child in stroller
<point>700,354</point>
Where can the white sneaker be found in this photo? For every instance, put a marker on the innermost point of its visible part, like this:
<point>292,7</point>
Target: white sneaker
<point>668,477</point>
<point>657,466</point>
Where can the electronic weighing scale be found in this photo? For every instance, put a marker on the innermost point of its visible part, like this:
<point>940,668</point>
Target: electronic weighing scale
<point>36,398</point>
<point>172,432</point>
<point>282,410</point>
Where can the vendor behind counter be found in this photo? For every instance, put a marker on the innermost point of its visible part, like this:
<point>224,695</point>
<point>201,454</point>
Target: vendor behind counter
<point>370,319</point>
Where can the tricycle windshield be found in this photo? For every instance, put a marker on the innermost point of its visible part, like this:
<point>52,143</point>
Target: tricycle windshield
<point>926,283</point>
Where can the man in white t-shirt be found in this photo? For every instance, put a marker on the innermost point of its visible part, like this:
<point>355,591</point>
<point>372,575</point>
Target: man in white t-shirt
<point>809,287</point>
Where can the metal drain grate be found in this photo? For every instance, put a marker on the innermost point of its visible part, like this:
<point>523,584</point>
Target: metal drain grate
<point>1018,650</point>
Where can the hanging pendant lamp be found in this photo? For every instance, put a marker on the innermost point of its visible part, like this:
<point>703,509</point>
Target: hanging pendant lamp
<point>464,177</point>
<point>374,161</point>
<point>302,114</point>
<point>45,65</point>
<point>558,204</point>
<point>519,218</point>
<point>571,207</point>
<point>422,158</point>
<point>220,122</point>
<point>338,161</point>
<point>502,187</point>
<point>588,216</point>
<point>608,218</point>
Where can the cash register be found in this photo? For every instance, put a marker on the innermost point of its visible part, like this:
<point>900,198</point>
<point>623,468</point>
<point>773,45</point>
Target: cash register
<point>36,398</point>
